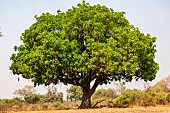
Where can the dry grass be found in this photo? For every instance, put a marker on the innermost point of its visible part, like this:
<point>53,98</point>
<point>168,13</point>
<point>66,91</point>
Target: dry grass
<point>109,110</point>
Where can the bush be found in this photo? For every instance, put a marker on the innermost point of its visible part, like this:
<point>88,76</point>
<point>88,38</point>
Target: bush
<point>168,98</point>
<point>139,98</point>
<point>9,103</point>
<point>44,106</point>
<point>57,104</point>
<point>124,100</point>
<point>16,101</point>
<point>32,99</point>
<point>3,105</point>
<point>161,98</point>
<point>135,97</point>
<point>104,93</point>
<point>148,99</point>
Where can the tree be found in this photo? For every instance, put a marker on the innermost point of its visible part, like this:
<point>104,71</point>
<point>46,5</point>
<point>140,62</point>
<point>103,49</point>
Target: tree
<point>120,87</point>
<point>166,80</point>
<point>1,34</point>
<point>146,85</point>
<point>84,44</point>
<point>161,86</point>
<point>25,91</point>
<point>53,95</point>
<point>74,93</point>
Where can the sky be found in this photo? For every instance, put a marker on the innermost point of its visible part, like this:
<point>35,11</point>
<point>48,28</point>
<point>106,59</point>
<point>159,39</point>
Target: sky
<point>150,16</point>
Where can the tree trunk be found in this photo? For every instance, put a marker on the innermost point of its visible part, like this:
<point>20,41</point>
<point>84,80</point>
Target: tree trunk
<point>86,98</point>
<point>87,93</point>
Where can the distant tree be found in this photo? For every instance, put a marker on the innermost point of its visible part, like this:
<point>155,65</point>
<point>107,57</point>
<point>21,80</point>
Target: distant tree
<point>146,85</point>
<point>53,95</point>
<point>120,87</point>
<point>162,86</point>
<point>166,80</point>
<point>25,91</point>
<point>74,93</point>
<point>84,44</point>
<point>1,33</point>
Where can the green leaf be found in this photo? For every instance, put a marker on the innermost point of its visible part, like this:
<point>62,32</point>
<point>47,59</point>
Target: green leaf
<point>81,44</point>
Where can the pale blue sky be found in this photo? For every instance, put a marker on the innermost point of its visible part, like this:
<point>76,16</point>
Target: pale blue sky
<point>150,16</point>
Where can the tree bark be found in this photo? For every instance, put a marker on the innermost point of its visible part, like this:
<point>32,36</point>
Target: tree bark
<point>86,98</point>
<point>87,93</point>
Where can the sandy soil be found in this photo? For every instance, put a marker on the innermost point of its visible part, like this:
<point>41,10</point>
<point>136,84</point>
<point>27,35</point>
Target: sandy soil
<point>109,110</point>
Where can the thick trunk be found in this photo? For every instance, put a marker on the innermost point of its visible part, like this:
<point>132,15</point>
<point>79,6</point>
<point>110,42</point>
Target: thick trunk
<point>86,99</point>
<point>87,93</point>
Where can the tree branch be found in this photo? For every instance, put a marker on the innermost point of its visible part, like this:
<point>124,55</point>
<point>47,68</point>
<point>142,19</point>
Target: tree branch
<point>68,80</point>
<point>97,82</point>
<point>97,103</point>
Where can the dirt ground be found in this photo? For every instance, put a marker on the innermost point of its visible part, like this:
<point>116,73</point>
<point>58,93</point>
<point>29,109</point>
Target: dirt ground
<point>109,110</point>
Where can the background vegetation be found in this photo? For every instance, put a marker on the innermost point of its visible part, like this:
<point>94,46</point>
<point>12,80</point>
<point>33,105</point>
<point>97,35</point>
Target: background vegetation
<point>26,99</point>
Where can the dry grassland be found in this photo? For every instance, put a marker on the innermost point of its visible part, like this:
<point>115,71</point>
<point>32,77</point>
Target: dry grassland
<point>109,110</point>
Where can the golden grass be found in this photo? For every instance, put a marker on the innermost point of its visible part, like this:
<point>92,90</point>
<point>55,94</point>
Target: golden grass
<point>109,110</point>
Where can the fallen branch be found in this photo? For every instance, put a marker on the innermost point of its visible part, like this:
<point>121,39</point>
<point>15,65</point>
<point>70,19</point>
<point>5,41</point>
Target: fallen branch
<point>97,103</point>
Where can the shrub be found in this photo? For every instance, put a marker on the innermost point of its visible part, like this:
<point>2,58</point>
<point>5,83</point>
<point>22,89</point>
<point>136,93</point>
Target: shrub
<point>32,99</point>
<point>44,106</point>
<point>3,105</point>
<point>57,104</point>
<point>16,100</point>
<point>153,98</point>
<point>148,99</point>
<point>124,100</point>
<point>139,98</point>
<point>161,98</point>
<point>168,98</point>
<point>104,93</point>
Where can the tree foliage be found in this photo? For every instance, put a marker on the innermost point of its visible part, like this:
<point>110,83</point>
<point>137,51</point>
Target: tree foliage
<point>84,44</point>
<point>25,91</point>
